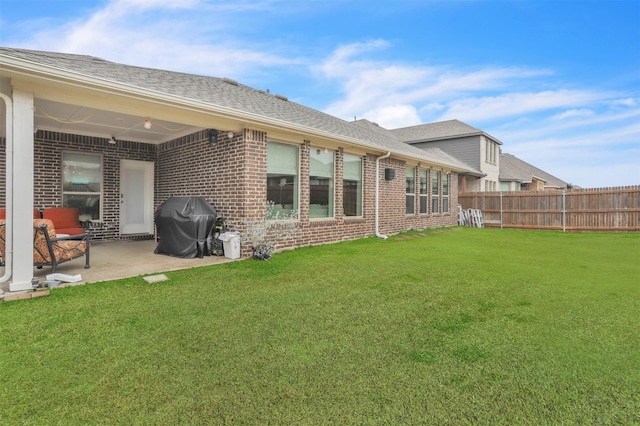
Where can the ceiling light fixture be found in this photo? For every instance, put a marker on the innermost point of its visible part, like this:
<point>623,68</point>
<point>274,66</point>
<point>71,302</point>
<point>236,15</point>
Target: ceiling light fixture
<point>147,124</point>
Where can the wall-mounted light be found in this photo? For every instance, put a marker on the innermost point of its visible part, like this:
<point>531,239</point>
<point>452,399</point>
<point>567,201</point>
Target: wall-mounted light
<point>147,124</point>
<point>213,137</point>
<point>230,135</point>
<point>112,141</point>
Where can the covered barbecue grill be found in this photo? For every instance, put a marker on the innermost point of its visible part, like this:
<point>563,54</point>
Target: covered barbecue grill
<point>185,227</point>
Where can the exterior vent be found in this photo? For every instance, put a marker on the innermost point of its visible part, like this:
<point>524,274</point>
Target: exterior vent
<point>281,97</point>
<point>230,81</point>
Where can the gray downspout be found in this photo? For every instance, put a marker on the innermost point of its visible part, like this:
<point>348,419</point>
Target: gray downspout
<point>387,155</point>
<point>8,243</point>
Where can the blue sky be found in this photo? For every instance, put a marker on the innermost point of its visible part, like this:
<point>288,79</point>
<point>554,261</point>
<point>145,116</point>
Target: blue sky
<point>558,82</point>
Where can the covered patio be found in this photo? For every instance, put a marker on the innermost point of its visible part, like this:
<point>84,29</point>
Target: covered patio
<point>112,260</point>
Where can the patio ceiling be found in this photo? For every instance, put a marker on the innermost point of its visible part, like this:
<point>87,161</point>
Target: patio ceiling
<point>75,119</point>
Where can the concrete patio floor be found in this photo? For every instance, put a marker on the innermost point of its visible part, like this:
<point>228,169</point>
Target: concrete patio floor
<point>112,260</point>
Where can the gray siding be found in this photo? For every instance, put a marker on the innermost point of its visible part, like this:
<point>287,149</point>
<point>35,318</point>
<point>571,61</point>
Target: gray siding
<point>466,149</point>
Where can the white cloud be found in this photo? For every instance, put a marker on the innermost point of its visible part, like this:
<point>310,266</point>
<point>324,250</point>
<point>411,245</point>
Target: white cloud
<point>394,116</point>
<point>369,83</point>
<point>514,104</point>
<point>574,113</point>
<point>628,102</point>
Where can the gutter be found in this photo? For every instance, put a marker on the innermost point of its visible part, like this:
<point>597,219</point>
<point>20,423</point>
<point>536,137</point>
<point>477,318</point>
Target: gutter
<point>8,245</point>
<point>387,155</point>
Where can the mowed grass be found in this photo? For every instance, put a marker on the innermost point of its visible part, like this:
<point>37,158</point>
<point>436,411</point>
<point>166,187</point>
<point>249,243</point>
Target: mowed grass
<point>462,326</point>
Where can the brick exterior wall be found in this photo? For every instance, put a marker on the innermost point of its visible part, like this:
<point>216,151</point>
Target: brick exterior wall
<point>232,177</point>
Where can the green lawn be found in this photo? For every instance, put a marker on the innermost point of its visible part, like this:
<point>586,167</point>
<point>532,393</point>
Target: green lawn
<point>464,326</point>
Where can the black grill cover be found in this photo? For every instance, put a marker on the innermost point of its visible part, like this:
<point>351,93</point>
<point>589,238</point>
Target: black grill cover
<point>184,226</point>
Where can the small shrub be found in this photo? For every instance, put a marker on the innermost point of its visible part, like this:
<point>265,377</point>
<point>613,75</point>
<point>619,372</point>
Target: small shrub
<point>262,233</point>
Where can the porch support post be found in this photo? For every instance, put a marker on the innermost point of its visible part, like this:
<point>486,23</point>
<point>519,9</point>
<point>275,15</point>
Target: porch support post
<point>22,190</point>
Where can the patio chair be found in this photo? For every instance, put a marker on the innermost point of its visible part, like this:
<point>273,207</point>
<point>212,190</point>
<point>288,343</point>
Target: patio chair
<point>49,250</point>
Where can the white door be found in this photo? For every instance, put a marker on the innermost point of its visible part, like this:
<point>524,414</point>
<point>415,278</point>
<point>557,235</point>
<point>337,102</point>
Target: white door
<point>136,197</point>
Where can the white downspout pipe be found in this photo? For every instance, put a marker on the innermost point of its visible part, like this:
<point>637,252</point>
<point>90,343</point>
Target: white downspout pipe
<point>8,244</point>
<point>387,155</point>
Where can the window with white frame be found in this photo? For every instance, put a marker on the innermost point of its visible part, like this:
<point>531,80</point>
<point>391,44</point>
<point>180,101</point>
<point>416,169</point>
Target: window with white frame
<point>491,154</point>
<point>490,186</point>
<point>446,177</point>
<point>411,190</point>
<point>82,183</point>
<point>352,185</point>
<point>424,190</point>
<point>282,177</point>
<point>435,192</point>
<point>321,171</point>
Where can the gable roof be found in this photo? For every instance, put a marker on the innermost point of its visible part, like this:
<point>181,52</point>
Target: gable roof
<point>514,169</point>
<point>382,134</point>
<point>438,131</point>
<point>214,94</point>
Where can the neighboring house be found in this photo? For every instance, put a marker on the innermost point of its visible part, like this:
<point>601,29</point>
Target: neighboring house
<point>518,175</point>
<point>477,149</point>
<point>116,141</point>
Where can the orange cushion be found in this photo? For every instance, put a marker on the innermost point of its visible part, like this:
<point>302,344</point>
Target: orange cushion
<point>63,218</point>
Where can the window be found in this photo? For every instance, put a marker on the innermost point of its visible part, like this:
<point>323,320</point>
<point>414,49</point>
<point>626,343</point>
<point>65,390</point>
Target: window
<point>82,183</point>
<point>282,177</point>
<point>490,186</point>
<point>445,192</point>
<point>352,185</point>
<point>320,183</point>
<point>424,191</point>
<point>411,190</point>
<point>435,192</point>
<point>491,151</point>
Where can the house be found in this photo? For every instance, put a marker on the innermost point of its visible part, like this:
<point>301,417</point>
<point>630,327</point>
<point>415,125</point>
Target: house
<point>474,147</point>
<point>518,175</point>
<point>116,141</point>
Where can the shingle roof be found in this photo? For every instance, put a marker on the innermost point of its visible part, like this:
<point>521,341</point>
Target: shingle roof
<point>381,135</point>
<point>514,169</point>
<point>439,130</point>
<point>222,92</point>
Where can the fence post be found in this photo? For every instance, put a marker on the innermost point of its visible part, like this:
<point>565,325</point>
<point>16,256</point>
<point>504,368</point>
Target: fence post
<point>564,211</point>
<point>501,219</point>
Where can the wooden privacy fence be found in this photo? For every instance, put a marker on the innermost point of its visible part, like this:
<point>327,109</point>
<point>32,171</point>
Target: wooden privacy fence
<point>597,209</point>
